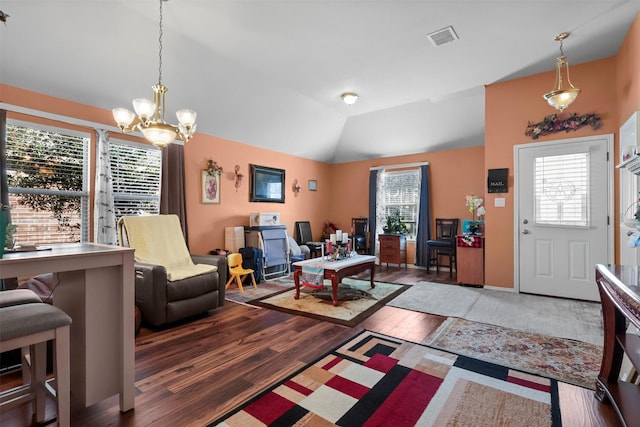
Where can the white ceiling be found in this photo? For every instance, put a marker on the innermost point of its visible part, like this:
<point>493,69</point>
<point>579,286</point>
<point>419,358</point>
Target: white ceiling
<point>269,73</point>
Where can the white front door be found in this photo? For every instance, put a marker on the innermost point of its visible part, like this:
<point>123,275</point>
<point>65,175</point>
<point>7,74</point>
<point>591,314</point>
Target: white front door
<point>563,200</point>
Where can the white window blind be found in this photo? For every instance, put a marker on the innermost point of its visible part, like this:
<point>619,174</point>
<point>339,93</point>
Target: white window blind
<point>402,194</point>
<point>47,171</point>
<point>136,170</point>
<point>562,190</point>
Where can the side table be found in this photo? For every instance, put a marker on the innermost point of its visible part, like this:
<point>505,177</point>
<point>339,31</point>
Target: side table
<point>470,259</point>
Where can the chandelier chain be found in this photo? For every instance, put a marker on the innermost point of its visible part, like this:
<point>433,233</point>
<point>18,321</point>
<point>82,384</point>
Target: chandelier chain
<point>160,50</point>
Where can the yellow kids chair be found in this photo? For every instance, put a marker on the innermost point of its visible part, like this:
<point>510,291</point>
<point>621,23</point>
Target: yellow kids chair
<point>237,272</point>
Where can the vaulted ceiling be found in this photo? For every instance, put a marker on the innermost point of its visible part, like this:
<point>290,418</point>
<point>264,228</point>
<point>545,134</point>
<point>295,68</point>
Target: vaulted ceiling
<point>269,73</point>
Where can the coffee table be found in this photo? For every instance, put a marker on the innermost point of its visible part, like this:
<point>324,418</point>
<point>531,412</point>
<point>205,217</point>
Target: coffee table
<point>336,271</point>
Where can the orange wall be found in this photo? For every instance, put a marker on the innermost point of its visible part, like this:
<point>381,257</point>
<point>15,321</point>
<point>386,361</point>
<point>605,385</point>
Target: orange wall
<point>342,190</point>
<point>609,86</point>
<point>207,221</point>
<point>505,123</point>
<point>452,175</point>
<point>628,70</point>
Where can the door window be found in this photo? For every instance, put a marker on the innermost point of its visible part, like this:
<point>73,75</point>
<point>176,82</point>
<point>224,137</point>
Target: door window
<point>561,189</point>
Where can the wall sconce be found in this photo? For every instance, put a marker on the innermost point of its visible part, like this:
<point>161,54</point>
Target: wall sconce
<point>296,188</point>
<point>239,176</point>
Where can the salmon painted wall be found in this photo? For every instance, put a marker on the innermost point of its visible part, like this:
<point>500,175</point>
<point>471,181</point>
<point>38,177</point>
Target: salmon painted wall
<point>452,175</point>
<point>628,72</point>
<point>505,123</point>
<point>207,221</point>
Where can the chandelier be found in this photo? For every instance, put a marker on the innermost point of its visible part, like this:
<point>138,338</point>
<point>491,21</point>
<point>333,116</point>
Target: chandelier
<point>149,116</point>
<point>560,98</point>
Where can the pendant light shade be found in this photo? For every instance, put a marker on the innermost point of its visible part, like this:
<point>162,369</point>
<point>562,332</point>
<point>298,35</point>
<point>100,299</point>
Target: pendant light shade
<point>560,97</point>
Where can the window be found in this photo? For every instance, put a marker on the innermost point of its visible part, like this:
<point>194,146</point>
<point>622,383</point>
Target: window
<point>47,171</point>
<point>136,170</point>
<point>561,187</point>
<point>399,192</point>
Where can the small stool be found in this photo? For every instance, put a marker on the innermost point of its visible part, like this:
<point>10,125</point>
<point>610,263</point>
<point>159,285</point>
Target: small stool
<point>33,325</point>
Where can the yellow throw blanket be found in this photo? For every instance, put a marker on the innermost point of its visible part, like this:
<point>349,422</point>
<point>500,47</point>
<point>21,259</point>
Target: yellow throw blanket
<point>158,239</point>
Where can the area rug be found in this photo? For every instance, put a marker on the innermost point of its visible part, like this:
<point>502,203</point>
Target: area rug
<point>570,361</point>
<point>264,289</point>
<point>378,380</point>
<point>559,317</point>
<point>349,312</point>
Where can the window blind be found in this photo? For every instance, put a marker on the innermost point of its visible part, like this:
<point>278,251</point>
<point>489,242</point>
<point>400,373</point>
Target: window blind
<point>47,170</point>
<point>136,170</point>
<point>561,188</point>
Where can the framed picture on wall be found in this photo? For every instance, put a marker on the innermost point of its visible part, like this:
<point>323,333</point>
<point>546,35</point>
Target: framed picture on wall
<point>313,185</point>
<point>210,188</point>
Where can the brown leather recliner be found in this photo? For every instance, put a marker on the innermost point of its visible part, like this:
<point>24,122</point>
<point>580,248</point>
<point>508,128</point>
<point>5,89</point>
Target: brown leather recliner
<point>162,300</point>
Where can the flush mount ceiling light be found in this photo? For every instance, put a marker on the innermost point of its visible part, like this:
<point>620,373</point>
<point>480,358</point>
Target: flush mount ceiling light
<point>150,119</point>
<point>560,98</point>
<point>349,98</point>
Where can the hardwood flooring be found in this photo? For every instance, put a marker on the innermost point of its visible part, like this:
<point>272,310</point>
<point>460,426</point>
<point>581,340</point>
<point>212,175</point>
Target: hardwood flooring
<point>193,372</point>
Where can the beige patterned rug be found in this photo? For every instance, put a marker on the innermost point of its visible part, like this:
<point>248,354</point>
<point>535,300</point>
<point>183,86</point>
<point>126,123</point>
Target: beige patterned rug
<point>348,312</point>
<point>570,361</point>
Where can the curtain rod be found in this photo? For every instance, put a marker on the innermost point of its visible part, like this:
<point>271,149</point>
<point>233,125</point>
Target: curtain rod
<point>68,120</point>
<point>406,165</point>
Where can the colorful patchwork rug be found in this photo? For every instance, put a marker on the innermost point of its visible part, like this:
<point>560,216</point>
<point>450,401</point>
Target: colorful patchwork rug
<point>569,361</point>
<point>378,380</point>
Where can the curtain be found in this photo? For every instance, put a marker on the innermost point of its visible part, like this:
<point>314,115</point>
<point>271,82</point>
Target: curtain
<point>424,219</point>
<point>373,184</point>
<point>172,200</point>
<point>104,223</point>
<point>4,184</point>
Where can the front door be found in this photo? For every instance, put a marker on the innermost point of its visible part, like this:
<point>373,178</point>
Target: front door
<point>563,200</point>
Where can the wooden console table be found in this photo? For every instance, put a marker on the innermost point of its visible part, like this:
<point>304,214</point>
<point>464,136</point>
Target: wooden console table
<point>95,288</point>
<point>336,271</point>
<point>619,288</point>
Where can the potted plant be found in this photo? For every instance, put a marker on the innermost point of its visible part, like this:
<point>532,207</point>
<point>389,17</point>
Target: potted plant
<point>395,224</point>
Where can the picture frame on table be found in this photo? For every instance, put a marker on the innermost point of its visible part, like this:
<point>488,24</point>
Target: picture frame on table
<point>210,188</point>
<point>313,185</point>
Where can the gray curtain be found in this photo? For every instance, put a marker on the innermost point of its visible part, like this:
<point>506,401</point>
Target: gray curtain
<point>424,219</point>
<point>172,200</point>
<point>373,182</point>
<point>104,222</point>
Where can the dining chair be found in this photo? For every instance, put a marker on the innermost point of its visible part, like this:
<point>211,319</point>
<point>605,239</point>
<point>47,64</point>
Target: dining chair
<point>444,244</point>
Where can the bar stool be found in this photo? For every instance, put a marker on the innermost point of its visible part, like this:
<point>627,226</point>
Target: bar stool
<point>16,297</point>
<point>32,325</point>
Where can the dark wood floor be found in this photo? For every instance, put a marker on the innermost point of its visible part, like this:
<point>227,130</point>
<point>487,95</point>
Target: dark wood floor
<point>191,373</point>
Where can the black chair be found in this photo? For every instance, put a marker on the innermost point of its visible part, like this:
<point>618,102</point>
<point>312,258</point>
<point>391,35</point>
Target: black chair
<point>444,244</point>
<point>304,237</point>
<point>360,234</point>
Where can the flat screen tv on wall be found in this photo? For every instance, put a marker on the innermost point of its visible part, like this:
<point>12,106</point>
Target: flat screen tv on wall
<point>267,184</point>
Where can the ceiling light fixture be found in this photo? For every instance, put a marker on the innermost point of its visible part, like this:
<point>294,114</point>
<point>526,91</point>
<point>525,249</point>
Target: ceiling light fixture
<point>560,98</point>
<point>349,98</point>
<point>150,119</point>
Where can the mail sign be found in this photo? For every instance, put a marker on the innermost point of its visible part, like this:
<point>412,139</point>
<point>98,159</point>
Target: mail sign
<point>498,181</point>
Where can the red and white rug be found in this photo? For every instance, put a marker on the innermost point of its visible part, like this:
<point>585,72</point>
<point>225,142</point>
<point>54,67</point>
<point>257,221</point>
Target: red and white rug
<point>378,380</point>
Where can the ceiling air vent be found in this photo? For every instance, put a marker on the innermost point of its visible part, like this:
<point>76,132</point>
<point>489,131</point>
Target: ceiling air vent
<point>443,36</point>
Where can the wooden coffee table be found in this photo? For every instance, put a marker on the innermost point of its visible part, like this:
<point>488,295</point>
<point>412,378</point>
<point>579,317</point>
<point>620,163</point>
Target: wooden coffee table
<point>336,271</point>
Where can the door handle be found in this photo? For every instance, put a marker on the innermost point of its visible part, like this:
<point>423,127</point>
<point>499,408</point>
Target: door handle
<point>525,231</point>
